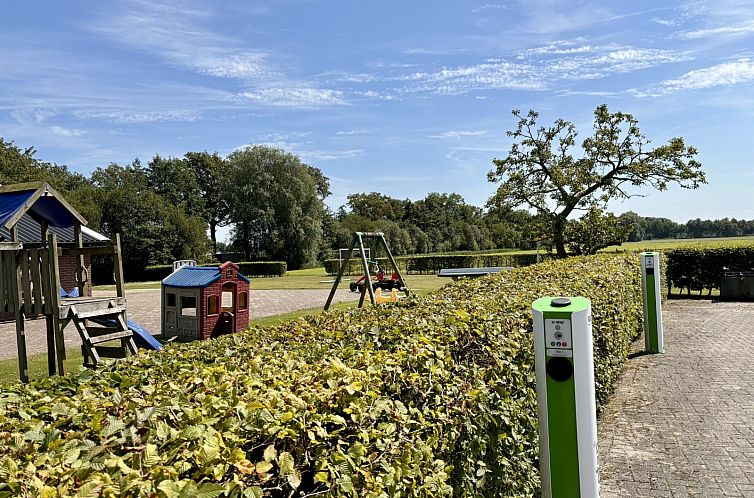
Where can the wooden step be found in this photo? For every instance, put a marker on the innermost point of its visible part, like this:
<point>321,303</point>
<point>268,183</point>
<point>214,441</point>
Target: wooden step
<point>98,339</point>
<point>104,313</point>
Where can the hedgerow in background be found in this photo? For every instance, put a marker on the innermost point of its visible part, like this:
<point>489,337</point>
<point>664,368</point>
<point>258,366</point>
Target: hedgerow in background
<point>432,263</point>
<point>430,397</point>
<point>702,268</point>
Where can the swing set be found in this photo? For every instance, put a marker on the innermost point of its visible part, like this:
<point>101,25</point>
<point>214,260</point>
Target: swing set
<point>368,287</point>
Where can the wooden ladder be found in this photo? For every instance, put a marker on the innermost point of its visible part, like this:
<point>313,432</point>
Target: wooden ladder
<point>94,336</point>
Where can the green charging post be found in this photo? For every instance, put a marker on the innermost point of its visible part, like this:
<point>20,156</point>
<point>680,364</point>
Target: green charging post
<point>565,397</point>
<point>650,286</point>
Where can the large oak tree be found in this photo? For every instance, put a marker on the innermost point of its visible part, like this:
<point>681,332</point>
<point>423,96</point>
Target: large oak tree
<point>542,172</point>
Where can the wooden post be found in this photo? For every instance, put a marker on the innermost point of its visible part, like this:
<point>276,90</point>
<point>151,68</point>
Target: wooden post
<point>78,240</point>
<point>52,245</point>
<point>365,263</point>
<point>16,295</point>
<point>395,265</point>
<point>340,274</point>
<point>120,286</point>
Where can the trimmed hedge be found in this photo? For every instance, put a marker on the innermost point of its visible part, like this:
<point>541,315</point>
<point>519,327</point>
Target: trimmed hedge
<point>702,268</point>
<point>247,268</point>
<point>433,396</point>
<point>432,263</point>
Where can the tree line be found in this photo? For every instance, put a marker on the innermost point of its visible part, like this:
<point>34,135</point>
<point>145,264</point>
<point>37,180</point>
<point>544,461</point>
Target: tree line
<point>172,207</point>
<point>274,202</point>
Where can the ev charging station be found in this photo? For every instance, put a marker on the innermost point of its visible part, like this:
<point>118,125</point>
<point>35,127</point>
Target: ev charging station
<point>650,287</point>
<point>565,397</point>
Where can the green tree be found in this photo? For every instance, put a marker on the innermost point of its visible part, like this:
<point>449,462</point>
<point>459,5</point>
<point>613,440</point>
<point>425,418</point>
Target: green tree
<point>541,172</point>
<point>213,176</point>
<point>175,181</point>
<point>595,230</point>
<point>153,229</point>
<point>276,204</point>
<point>375,206</point>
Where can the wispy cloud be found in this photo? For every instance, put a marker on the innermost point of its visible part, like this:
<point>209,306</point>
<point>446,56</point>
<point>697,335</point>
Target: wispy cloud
<point>132,117</point>
<point>730,30</point>
<point>66,132</point>
<point>294,97</point>
<point>460,134</point>
<point>665,22</point>
<point>540,68</point>
<point>180,36</point>
<point>352,132</point>
<point>727,74</point>
<point>490,6</point>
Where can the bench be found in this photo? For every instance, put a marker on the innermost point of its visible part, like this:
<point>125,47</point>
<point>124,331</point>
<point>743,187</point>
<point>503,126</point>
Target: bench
<point>456,273</point>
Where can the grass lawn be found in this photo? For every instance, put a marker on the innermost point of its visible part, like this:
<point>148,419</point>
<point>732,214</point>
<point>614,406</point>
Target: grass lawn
<point>665,244</point>
<point>312,278</point>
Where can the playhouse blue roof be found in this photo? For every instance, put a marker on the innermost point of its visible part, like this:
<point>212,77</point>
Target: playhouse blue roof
<point>195,276</point>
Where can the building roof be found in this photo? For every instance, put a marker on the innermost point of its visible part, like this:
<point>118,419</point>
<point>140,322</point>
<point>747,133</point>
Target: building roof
<point>40,201</point>
<point>30,232</point>
<point>195,276</point>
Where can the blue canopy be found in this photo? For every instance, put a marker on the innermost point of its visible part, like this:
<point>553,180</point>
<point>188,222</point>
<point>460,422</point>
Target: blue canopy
<point>46,207</point>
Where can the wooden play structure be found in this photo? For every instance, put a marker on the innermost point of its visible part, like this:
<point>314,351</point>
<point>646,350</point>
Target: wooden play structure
<point>357,242</point>
<point>30,283</point>
<point>199,302</point>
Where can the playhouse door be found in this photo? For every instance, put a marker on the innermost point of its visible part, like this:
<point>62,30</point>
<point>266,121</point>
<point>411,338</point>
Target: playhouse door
<point>228,317</point>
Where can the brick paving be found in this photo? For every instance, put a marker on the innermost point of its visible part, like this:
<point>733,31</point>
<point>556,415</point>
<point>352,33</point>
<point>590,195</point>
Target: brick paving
<point>681,424</point>
<point>144,307</point>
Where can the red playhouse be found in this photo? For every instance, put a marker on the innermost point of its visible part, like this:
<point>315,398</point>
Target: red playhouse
<point>199,302</point>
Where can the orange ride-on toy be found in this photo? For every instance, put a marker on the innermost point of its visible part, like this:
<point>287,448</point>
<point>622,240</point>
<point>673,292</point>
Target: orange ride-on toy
<point>381,282</point>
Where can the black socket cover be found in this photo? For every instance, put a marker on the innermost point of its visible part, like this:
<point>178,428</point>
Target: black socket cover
<point>560,302</point>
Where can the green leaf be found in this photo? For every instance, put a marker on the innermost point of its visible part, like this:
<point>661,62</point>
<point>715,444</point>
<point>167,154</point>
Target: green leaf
<point>285,461</point>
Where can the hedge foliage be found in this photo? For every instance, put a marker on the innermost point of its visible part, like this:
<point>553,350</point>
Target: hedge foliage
<point>433,396</point>
<point>432,263</point>
<point>247,268</point>
<point>702,268</point>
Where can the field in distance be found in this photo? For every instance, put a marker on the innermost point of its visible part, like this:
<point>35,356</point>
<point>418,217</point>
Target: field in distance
<point>666,244</point>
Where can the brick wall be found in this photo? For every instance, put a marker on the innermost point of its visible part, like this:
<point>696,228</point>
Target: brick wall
<point>211,324</point>
<point>67,265</point>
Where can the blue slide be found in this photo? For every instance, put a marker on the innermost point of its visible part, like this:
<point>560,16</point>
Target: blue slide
<point>142,337</point>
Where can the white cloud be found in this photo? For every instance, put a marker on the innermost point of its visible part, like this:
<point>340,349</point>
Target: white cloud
<point>134,117</point>
<point>664,22</point>
<point>351,132</point>
<point>736,29</point>
<point>539,68</point>
<point>722,75</point>
<point>460,134</point>
<point>294,97</point>
<point>66,132</point>
<point>331,155</point>
<point>490,6</point>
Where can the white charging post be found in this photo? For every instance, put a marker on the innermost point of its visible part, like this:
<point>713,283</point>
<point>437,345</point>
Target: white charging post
<point>565,397</point>
<point>650,286</point>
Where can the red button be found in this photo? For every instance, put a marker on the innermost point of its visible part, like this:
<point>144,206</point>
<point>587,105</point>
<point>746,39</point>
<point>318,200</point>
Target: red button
<point>565,344</point>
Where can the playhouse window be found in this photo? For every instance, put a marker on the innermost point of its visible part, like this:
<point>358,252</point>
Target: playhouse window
<point>188,305</point>
<point>243,301</point>
<point>212,308</point>
<point>170,297</point>
<point>229,295</point>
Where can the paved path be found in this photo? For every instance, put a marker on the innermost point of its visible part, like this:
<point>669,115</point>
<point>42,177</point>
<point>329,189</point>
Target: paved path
<point>682,423</point>
<point>144,307</point>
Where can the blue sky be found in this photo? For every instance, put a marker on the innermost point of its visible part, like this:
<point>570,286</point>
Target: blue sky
<point>403,98</point>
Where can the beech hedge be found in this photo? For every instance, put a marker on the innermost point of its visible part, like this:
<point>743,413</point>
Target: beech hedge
<point>432,263</point>
<point>432,396</point>
<point>247,268</point>
<point>702,268</point>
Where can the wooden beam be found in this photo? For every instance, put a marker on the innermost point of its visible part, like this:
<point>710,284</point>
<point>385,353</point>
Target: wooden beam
<point>11,246</point>
<point>98,250</point>
<point>48,309</point>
